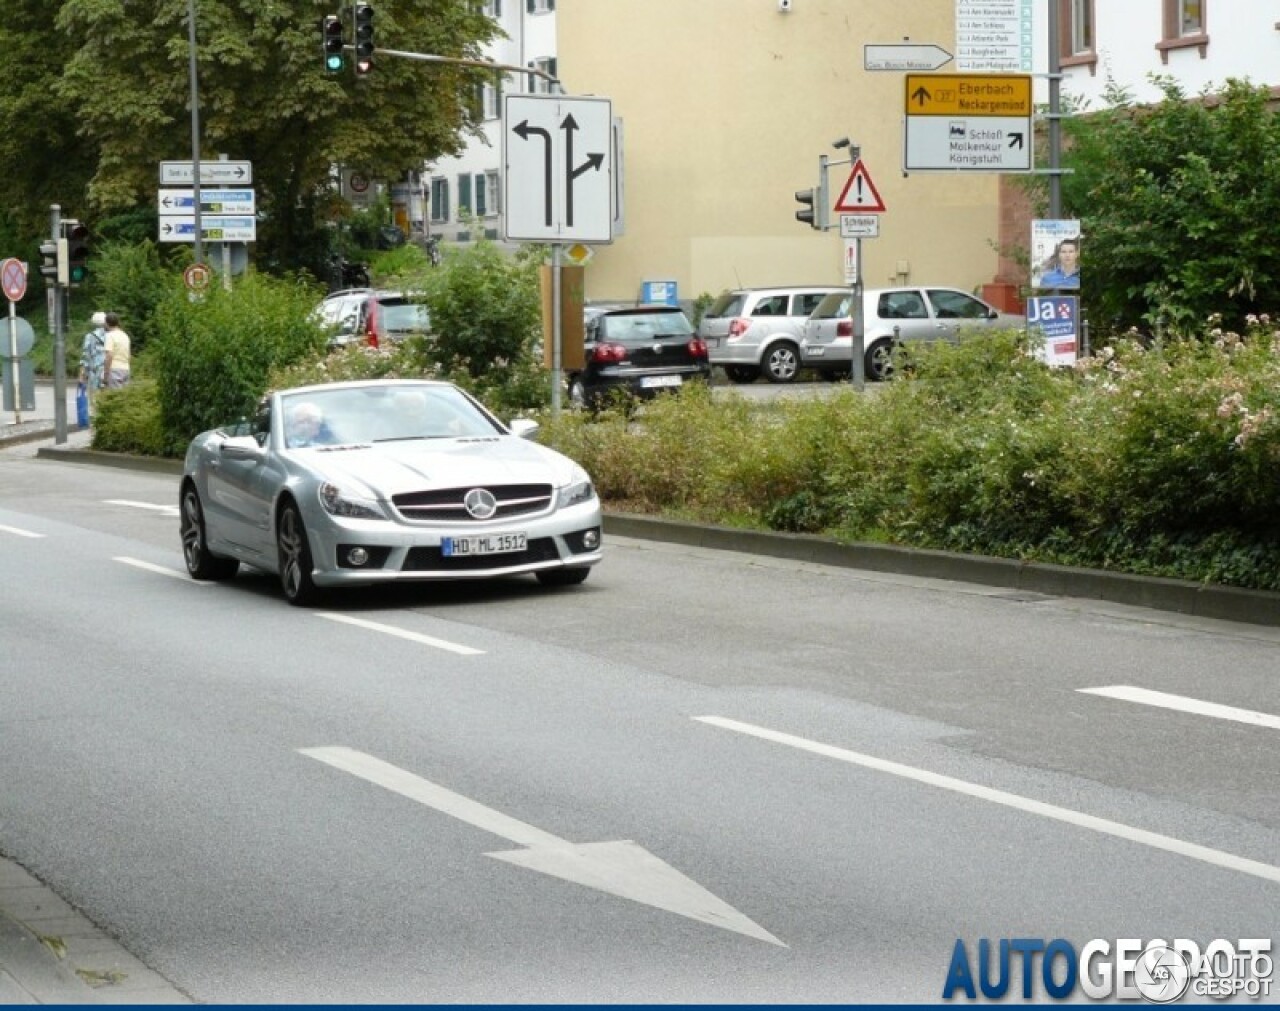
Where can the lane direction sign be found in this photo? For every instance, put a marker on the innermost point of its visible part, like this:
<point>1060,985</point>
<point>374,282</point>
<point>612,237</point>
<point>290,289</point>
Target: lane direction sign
<point>904,56</point>
<point>860,193</point>
<point>968,123</point>
<point>226,173</point>
<point>620,868</point>
<point>212,201</point>
<point>558,160</point>
<point>182,228</point>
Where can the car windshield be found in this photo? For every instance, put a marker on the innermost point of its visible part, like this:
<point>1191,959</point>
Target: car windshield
<point>644,326</point>
<point>381,413</point>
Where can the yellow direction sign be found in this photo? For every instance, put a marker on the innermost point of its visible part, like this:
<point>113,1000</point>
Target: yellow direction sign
<point>968,95</point>
<point>968,123</point>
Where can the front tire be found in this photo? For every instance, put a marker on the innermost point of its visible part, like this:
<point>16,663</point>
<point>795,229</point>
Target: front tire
<point>294,553</point>
<point>202,564</point>
<point>782,362</point>
<point>562,577</point>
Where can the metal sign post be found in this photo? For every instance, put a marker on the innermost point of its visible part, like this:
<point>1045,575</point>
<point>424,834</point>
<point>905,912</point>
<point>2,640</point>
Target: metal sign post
<point>59,341</point>
<point>556,330</point>
<point>857,368</point>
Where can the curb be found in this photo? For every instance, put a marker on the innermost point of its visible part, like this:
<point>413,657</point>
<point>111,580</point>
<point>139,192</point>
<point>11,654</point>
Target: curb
<point>1202,600</point>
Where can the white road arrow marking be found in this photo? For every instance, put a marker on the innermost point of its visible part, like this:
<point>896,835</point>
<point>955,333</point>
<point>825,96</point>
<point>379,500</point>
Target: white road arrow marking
<point>620,868</point>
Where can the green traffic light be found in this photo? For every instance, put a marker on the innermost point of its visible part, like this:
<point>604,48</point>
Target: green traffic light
<point>333,63</point>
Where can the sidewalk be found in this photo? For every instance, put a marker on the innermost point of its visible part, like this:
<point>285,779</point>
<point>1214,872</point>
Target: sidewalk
<point>51,954</point>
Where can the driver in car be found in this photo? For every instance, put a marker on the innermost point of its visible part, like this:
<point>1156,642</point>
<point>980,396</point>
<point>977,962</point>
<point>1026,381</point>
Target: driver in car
<point>307,427</point>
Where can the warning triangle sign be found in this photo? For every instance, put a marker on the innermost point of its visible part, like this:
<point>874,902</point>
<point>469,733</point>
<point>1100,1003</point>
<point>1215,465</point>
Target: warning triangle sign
<point>860,194</point>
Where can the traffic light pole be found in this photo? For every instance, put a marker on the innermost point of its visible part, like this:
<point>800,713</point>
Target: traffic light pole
<point>195,129</point>
<point>58,326</point>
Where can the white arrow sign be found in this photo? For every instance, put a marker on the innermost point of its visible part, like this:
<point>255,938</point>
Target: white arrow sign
<point>183,229</point>
<point>179,173</point>
<point>620,868</point>
<point>904,56</point>
<point>558,155</point>
<point>212,201</point>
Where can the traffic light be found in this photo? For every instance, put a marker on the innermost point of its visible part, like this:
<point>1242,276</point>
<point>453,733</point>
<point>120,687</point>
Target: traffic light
<point>49,260</point>
<point>806,197</point>
<point>331,39</point>
<point>364,38</point>
<point>77,266</point>
<point>815,210</point>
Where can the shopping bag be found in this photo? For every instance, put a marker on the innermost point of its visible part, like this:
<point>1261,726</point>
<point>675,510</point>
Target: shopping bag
<point>82,406</point>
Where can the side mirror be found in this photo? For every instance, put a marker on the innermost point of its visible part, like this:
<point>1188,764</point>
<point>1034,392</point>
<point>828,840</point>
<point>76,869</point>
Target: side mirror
<point>525,428</point>
<point>241,447</point>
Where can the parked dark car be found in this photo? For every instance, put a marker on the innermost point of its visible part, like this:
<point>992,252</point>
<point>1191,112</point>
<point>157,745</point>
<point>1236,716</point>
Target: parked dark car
<point>638,350</point>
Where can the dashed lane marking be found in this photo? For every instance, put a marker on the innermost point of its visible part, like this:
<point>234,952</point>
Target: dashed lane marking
<point>1218,858</point>
<point>401,633</point>
<point>1146,697</point>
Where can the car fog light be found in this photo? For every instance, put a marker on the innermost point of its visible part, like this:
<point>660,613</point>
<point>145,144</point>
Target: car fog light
<point>591,539</point>
<point>357,556</point>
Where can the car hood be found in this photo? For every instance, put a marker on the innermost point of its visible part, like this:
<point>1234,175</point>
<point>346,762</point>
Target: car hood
<point>393,468</point>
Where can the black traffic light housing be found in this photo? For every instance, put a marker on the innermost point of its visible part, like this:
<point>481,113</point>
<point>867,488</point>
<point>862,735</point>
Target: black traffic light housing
<point>363,32</point>
<point>331,42</point>
<point>77,266</point>
<point>806,214</point>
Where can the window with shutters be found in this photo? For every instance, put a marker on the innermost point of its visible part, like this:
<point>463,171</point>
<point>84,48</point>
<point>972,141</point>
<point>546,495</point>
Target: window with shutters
<point>491,100</point>
<point>464,196</point>
<point>493,202</point>
<point>539,6</point>
<point>493,8</point>
<point>540,85</point>
<point>439,199</point>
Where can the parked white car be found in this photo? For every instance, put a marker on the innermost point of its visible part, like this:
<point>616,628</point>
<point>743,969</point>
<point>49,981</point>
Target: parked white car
<point>892,316</point>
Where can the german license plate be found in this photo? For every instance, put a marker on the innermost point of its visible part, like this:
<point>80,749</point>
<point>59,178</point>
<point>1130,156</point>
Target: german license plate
<point>712,342</point>
<point>650,382</point>
<point>815,351</point>
<point>483,544</point>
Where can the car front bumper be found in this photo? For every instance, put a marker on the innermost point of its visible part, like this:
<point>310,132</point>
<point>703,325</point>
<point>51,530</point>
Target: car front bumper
<point>399,551</point>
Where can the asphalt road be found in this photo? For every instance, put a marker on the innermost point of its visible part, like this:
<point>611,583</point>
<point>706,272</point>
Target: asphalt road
<point>802,783</point>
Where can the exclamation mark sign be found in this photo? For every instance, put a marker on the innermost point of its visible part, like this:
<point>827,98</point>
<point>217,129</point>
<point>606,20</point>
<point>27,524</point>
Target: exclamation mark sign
<point>861,202</point>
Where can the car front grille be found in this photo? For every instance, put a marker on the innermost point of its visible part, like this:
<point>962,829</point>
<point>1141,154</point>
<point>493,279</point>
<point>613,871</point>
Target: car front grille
<point>445,505</point>
<point>540,549</point>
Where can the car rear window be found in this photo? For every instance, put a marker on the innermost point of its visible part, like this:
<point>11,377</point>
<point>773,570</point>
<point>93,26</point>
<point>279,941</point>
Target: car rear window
<point>405,316</point>
<point>644,326</point>
<point>728,304</point>
<point>833,306</point>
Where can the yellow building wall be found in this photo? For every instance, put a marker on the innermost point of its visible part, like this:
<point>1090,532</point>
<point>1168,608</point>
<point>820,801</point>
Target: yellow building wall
<point>726,106</point>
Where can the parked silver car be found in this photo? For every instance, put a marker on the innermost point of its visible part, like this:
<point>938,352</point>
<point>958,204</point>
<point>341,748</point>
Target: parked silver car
<point>892,316</point>
<point>755,330</point>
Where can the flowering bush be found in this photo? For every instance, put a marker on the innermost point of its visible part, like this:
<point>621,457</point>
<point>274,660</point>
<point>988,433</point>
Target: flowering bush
<point>1161,458</point>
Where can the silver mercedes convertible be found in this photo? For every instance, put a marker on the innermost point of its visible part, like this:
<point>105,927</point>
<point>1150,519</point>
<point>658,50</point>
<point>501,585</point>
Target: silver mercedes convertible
<point>388,480</point>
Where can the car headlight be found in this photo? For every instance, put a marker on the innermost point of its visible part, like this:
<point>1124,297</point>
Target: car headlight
<point>341,502</point>
<point>578,490</point>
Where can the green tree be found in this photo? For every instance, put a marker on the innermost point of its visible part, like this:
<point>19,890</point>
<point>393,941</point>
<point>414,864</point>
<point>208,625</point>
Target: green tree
<point>104,95</point>
<point>1177,202</point>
